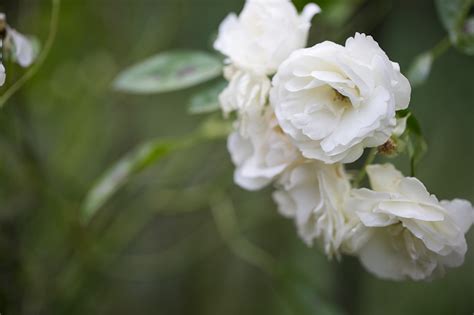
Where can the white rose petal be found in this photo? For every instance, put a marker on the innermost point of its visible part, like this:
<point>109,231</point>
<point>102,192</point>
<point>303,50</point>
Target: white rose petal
<point>314,194</point>
<point>247,94</point>
<point>265,34</point>
<point>263,155</point>
<point>412,234</point>
<point>335,100</point>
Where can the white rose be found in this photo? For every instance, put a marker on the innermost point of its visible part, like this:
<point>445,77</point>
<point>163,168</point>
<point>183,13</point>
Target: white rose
<point>263,155</point>
<point>412,234</point>
<point>247,94</point>
<point>336,100</point>
<point>2,74</point>
<point>315,194</point>
<point>265,34</point>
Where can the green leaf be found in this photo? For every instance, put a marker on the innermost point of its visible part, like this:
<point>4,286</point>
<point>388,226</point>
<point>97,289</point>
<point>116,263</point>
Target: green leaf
<point>466,42</point>
<point>147,154</point>
<point>415,142</point>
<point>215,128</point>
<point>208,100</point>
<point>455,17</point>
<point>133,163</point>
<point>169,71</point>
<point>452,14</point>
<point>420,69</point>
<point>403,113</point>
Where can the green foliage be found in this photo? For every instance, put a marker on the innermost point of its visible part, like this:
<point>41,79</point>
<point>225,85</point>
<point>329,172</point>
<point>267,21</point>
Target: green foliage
<point>300,297</point>
<point>146,155</point>
<point>336,12</point>
<point>133,163</point>
<point>53,29</point>
<point>420,69</point>
<point>169,71</point>
<point>455,17</point>
<point>296,292</point>
<point>215,128</point>
<point>206,101</point>
<point>413,139</point>
<point>145,254</point>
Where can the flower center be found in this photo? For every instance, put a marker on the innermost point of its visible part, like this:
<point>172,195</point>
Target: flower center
<point>278,130</point>
<point>341,99</point>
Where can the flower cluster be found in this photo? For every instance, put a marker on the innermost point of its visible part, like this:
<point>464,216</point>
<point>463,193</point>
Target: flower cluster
<point>302,113</point>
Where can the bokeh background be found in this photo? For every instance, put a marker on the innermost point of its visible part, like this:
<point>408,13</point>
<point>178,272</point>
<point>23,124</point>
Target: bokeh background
<point>155,247</point>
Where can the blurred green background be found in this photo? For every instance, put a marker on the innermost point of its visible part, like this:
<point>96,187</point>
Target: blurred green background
<point>155,247</point>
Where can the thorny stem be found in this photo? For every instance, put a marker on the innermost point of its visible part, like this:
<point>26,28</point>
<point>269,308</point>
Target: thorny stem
<point>53,28</point>
<point>361,175</point>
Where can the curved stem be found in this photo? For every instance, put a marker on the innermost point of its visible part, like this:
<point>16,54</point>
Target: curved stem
<point>361,175</point>
<point>53,28</point>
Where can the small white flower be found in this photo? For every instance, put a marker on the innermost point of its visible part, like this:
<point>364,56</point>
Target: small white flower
<point>263,155</point>
<point>16,45</point>
<point>335,100</point>
<point>247,94</point>
<point>315,194</point>
<point>412,234</point>
<point>2,74</point>
<point>23,49</point>
<point>265,34</point>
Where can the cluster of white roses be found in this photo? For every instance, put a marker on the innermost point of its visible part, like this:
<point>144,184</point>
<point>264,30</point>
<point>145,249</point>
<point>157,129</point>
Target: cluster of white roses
<point>17,45</point>
<point>322,107</point>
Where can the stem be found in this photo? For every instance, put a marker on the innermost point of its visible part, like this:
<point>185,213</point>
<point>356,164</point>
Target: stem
<point>349,284</point>
<point>53,28</point>
<point>441,47</point>
<point>361,175</point>
<point>412,167</point>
